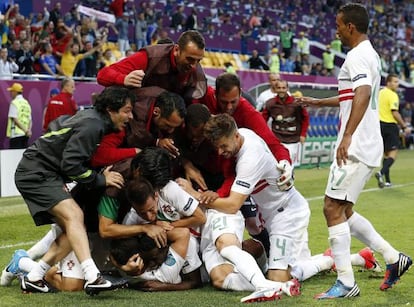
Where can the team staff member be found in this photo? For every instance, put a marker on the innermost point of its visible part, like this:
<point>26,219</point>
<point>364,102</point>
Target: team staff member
<point>226,98</point>
<point>290,120</point>
<point>61,156</point>
<point>61,104</point>
<point>390,118</point>
<point>174,67</point>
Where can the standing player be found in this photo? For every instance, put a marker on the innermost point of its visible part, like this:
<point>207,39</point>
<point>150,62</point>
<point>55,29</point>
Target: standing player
<point>359,151</point>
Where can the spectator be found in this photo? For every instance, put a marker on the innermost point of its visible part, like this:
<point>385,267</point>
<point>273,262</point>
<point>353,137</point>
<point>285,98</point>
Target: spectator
<point>26,59</point>
<point>7,65</point>
<point>61,104</point>
<point>55,13</point>
<point>255,61</point>
<point>121,30</point>
<point>140,29</point>
<point>19,125</point>
<point>48,62</point>
<point>178,18</point>
<point>118,7</point>
<point>191,21</point>
<point>72,56</point>
<point>289,120</point>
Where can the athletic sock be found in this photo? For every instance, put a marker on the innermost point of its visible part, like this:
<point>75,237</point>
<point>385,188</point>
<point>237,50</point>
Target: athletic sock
<point>90,270</point>
<point>41,247</point>
<point>26,264</point>
<point>38,272</point>
<point>357,260</point>
<point>303,270</point>
<point>363,230</point>
<point>237,282</point>
<point>386,165</point>
<point>340,241</point>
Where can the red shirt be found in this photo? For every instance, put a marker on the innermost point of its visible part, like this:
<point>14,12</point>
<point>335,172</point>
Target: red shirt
<point>109,150</point>
<point>61,104</point>
<point>115,74</point>
<point>247,117</point>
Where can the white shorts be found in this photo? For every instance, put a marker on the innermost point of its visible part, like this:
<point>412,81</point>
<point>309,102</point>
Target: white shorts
<point>295,150</point>
<point>288,234</point>
<point>347,182</point>
<point>217,224</point>
<point>192,259</point>
<point>70,267</point>
<point>168,272</point>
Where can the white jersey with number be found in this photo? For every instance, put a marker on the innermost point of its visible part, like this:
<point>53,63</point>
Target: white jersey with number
<point>362,66</point>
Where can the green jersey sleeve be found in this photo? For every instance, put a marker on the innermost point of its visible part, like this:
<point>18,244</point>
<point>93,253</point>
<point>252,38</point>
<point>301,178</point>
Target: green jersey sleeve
<point>108,207</point>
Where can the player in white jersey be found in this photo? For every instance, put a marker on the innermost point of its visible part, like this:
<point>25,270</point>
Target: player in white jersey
<point>183,211</point>
<point>359,150</point>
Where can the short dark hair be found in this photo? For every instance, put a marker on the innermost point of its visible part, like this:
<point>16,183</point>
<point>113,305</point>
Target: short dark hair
<point>390,77</point>
<point>227,81</point>
<point>218,126</point>
<point>191,36</point>
<point>197,114</point>
<point>169,102</point>
<point>356,14</point>
<point>154,164</point>
<point>113,98</point>
<point>138,190</point>
<point>123,249</point>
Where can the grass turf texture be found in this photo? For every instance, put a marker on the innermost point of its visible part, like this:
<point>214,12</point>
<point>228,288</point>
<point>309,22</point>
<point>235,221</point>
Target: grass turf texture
<point>390,210</point>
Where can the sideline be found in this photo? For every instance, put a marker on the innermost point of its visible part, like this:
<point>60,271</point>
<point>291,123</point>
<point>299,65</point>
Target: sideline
<point>22,206</point>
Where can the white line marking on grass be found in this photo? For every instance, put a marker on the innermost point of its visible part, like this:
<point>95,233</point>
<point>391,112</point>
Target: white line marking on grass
<point>17,244</point>
<point>308,199</point>
<point>366,190</point>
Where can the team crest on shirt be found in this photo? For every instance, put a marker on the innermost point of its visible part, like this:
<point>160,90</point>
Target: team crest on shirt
<point>243,184</point>
<point>188,205</point>
<point>170,261</point>
<point>70,264</point>
<point>360,76</point>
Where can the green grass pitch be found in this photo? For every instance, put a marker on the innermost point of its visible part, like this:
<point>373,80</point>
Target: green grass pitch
<point>390,210</point>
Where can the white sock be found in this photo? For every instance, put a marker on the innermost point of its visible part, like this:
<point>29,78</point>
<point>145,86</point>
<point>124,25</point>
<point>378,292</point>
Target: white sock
<point>357,260</point>
<point>26,264</point>
<point>247,266</point>
<point>38,272</point>
<point>89,270</point>
<point>40,248</point>
<point>303,270</point>
<point>237,282</point>
<point>340,241</point>
<point>363,230</point>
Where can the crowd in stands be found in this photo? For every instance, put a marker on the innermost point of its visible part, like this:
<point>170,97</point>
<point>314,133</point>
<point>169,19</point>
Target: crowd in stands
<point>274,29</point>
